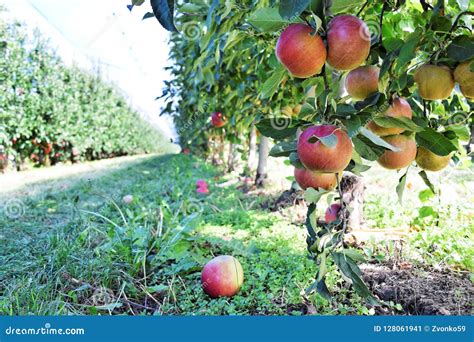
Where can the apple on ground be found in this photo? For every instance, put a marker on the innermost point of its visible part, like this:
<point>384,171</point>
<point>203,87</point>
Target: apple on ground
<point>222,276</point>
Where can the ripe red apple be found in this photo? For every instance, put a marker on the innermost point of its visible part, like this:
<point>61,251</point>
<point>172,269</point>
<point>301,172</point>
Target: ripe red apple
<point>301,50</point>
<point>332,213</point>
<point>399,108</point>
<point>310,179</point>
<point>362,81</point>
<point>348,42</point>
<point>316,156</point>
<point>222,276</point>
<point>434,82</point>
<point>398,160</point>
<point>217,120</point>
<point>186,151</point>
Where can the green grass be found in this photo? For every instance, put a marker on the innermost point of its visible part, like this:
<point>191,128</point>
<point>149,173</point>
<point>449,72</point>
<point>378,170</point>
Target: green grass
<point>78,249</point>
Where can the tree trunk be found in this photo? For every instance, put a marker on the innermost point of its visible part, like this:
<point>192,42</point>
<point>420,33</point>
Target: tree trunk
<point>252,148</point>
<point>263,150</point>
<point>231,158</point>
<point>353,188</point>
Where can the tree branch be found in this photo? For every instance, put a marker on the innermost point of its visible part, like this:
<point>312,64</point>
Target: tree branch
<point>456,21</point>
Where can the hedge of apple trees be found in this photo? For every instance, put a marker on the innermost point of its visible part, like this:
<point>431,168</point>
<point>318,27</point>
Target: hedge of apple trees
<point>52,113</point>
<point>385,81</point>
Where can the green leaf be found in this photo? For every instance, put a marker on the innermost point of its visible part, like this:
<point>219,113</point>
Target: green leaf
<point>345,5</point>
<point>427,181</point>
<point>190,8</point>
<point>292,8</point>
<point>366,149</point>
<point>425,195</point>
<point>408,49</point>
<point>295,160</point>
<point>272,83</point>
<point>330,141</point>
<point>164,11</point>
<point>401,186</point>
<point>283,149</point>
<point>137,2</point>
<point>267,19</point>
<point>353,125</point>
<point>314,195</point>
<point>401,122</point>
<point>148,15</point>
<point>377,140</point>
<point>276,128</point>
<point>354,255</point>
<point>307,109</point>
<point>461,48</point>
<point>435,142</point>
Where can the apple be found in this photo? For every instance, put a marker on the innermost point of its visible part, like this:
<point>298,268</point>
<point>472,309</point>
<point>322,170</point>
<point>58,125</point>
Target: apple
<point>217,120</point>
<point>430,161</point>
<point>316,156</point>
<point>434,82</point>
<point>127,199</point>
<point>465,77</point>
<point>348,42</point>
<point>297,109</point>
<point>362,81</point>
<point>301,51</point>
<point>186,151</point>
<point>398,160</point>
<point>222,276</point>
<point>310,179</point>
<point>399,108</point>
<point>332,213</point>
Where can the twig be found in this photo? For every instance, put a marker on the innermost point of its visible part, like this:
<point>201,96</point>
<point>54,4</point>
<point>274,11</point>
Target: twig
<point>456,21</point>
<point>362,8</point>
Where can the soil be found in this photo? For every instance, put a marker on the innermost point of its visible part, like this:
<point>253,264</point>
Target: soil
<point>420,290</point>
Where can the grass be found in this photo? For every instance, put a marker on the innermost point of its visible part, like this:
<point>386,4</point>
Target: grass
<point>74,247</point>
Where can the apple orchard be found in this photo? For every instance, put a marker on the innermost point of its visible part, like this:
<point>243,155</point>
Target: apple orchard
<point>335,85</point>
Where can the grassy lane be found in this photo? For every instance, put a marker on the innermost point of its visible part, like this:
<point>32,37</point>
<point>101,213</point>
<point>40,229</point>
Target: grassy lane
<point>73,246</point>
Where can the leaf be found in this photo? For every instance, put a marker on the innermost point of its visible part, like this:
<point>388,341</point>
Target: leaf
<point>354,255</point>
<point>292,8</point>
<point>344,5</point>
<point>408,49</point>
<point>314,195</point>
<point>377,140</point>
<point>330,141</point>
<point>283,149</point>
<point>372,100</point>
<point>137,2</point>
<point>461,48</point>
<point>435,142</point>
<point>401,122</point>
<point>267,20</point>
<point>425,195</point>
<point>307,109</point>
<point>427,181</point>
<point>164,11</point>
<point>272,83</point>
<point>363,147</point>
<point>148,15</point>
<point>276,128</point>
<point>190,8</point>
<point>310,221</point>
<point>401,186</point>
<point>353,125</point>
<point>295,160</point>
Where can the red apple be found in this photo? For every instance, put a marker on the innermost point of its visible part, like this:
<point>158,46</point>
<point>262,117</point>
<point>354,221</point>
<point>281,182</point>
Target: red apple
<point>398,160</point>
<point>399,108</point>
<point>348,42</point>
<point>301,50</point>
<point>316,156</point>
<point>186,151</point>
<point>310,179</point>
<point>362,81</point>
<point>222,276</point>
<point>217,120</point>
<point>332,213</point>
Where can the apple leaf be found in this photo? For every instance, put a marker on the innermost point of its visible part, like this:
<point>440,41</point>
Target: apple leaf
<point>356,168</point>
<point>402,122</point>
<point>164,11</point>
<point>427,181</point>
<point>268,19</point>
<point>377,140</point>
<point>295,160</point>
<point>283,149</point>
<point>314,195</point>
<point>329,141</point>
<point>367,149</point>
<point>461,48</point>
<point>276,128</point>
<point>401,186</point>
<point>307,109</point>
<point>292,8</point>
<point>272,83</point>
<point>435,142</point>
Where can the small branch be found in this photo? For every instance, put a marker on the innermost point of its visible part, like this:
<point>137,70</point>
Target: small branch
<point>456,21</point>
<point>362,8</point>
<point>426,6</point>
<point>381,24</point>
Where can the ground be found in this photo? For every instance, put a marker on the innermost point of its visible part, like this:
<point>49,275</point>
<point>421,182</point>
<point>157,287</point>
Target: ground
<point>70,245</point>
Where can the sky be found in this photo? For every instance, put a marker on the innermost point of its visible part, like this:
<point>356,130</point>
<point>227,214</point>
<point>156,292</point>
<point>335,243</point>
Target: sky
<point>129,51</point>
